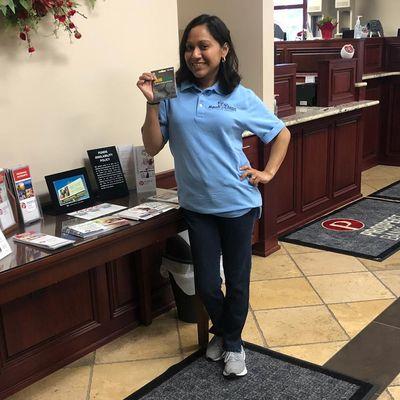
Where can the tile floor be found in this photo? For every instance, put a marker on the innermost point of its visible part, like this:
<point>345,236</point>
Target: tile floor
<point>293,309</point>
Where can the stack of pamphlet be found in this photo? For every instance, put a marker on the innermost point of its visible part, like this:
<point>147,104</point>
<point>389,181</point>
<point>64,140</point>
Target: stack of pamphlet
<point>169,196</point>
<point>96,211</point>
<point>21,183</point>
<point>41,240</point>
<point>92,228</point>
<point>147,210</point>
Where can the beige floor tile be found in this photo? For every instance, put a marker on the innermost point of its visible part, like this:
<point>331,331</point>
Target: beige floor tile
<point>250,332</point>
<point>160,339</point>
<point>381,171</point>
<point>83,361</point>
<point>273,267</point>
<point>117,381</point>
<point>327,263</point>
<point>385,396</point>
<point>354,317</point>
<point>188,336</point>
<point>281,252</point>
<point>391,279</point>
<point>392,262</point>
<point>279,293</point>
<point>318,353</point>
<point>343,288</point>
<point>366,189</point>
<point>297,249</point>
<point>302,325</point>
<point>379,183</point>
<point>64,384</point>
<point>396,381</point>
<point>394,392</point>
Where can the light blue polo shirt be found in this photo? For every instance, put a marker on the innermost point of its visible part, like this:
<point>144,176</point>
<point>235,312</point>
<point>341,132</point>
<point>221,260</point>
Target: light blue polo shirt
<point>204,129</point>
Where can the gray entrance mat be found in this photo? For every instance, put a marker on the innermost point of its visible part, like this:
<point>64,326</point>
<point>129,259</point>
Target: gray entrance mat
<point>391,192</point>
<point>370,229</point>
<point>271,376</point>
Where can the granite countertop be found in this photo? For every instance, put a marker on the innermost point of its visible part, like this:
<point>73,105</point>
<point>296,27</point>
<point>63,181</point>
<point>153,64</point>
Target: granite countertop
<point>380,75</point>
<point>305,114</point>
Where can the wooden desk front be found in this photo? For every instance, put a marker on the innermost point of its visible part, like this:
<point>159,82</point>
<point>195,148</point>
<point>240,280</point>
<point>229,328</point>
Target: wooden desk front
<point>56,307</point>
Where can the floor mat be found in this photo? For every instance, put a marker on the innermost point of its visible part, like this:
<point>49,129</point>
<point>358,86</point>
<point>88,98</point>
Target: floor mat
<point>391,192</point>
<point>368,228</point>
<point>271,376</point>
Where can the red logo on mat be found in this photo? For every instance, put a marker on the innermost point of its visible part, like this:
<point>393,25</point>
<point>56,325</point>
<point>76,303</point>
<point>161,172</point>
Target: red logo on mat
<point>342,224</point>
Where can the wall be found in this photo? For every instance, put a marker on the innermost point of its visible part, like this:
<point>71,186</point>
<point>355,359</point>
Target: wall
<point>387,11</point>
<point>251,25</point>
<point>67,98</point>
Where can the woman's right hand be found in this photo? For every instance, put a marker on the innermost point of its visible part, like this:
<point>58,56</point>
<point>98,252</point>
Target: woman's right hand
<point>145,84</point>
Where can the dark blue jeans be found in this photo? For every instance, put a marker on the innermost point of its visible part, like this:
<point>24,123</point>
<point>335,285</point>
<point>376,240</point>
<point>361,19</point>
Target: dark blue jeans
<point>209,236</point>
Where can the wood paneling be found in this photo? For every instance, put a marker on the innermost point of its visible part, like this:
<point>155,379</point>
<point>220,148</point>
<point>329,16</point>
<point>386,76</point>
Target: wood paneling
<point>392,54</point>
<point>321,171</point>
<point>315,167</point>
<point>373,55</point>
<point>336,79</point>
<point>392,147</point>
<point>307,54</point>
<point>285,89</point>
<point>47,314</point>
<point>345,160</point>
<point>372,125</point>
<point>287,206</point>
<point>122,285</point>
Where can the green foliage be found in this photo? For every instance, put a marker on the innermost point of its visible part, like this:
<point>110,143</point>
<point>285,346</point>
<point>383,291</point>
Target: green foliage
<point>327,20</point>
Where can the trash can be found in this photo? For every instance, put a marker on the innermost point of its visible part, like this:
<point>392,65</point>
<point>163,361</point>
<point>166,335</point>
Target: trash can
<point>177,263</point>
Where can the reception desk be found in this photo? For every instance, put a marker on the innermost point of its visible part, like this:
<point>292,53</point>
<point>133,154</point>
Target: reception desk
<point>377,78</point>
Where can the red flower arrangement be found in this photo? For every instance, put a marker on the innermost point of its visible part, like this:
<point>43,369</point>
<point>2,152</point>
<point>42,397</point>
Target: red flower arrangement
<point>26,14</point>
<point>326,26</point>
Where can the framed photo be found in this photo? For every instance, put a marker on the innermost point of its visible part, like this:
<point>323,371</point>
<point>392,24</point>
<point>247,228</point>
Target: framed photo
<point>70,190</point>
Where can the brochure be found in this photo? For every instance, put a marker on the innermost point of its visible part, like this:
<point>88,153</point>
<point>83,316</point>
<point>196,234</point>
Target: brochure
<point>164,86</point>
<point>147,210</point>
<point>97,211</point>
<point>92,228</point>
<point>5,248</point>
<point>25,194</point>
<point>41,240</point>
<point>126,158</point>
<point>108,172</point>
<point>144,170</point>
<point>170,196</point>
<point>6,214</point>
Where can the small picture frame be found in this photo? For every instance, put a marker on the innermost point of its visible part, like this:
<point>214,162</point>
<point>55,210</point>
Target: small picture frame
<point>70,190</point>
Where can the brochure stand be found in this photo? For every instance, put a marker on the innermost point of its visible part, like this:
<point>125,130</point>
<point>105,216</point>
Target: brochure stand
<point>14,208</point>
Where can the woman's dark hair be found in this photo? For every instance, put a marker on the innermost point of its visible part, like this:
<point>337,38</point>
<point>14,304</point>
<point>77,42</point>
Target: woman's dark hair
<point>228,75</point>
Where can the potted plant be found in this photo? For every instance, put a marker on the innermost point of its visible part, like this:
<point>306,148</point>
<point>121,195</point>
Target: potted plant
<point>327,25</point>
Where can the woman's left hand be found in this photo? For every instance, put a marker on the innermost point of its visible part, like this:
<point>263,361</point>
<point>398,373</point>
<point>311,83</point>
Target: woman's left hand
<point>255,176</point>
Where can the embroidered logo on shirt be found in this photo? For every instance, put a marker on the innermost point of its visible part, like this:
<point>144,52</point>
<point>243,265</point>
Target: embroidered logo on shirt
<point>222,106</point>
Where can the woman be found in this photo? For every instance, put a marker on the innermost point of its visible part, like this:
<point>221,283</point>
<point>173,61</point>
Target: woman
<point>217,187</point>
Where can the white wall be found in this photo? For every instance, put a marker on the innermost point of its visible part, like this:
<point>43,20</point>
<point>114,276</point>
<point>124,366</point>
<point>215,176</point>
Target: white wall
<point>67,98</point>
<point>251,24</point>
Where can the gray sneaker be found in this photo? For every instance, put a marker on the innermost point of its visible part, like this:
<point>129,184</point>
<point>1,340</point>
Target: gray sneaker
<point>215,351</point>
<point>235,364</point>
